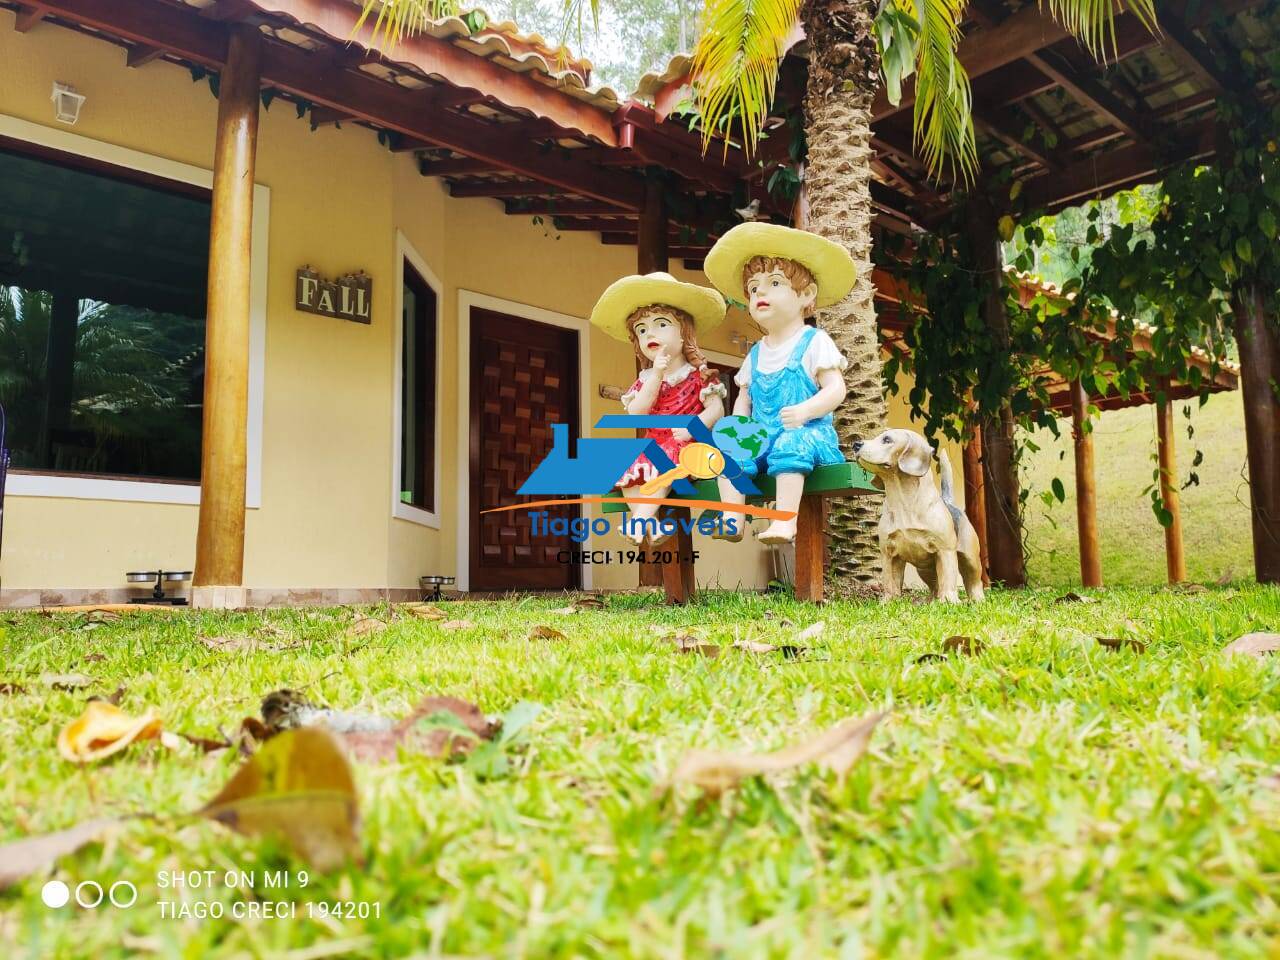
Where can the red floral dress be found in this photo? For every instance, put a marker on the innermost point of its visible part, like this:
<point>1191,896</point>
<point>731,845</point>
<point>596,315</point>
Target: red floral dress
<point>687,395</point>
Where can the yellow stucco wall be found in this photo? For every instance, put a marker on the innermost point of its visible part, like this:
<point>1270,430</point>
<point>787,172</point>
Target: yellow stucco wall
<point>338,199</point>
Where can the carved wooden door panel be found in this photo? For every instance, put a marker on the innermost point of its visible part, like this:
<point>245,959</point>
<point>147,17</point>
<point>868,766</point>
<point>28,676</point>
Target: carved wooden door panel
<point>524,378</point>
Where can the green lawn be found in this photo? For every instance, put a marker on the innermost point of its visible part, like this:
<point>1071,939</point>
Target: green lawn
<point>1047,797</point>
<point>1215,513</point>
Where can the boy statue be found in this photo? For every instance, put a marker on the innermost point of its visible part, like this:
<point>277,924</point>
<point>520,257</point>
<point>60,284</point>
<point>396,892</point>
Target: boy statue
<point>793,378</point>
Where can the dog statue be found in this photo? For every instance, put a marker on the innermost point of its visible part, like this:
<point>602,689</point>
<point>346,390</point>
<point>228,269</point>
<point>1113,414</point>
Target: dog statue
<point>919,525</point>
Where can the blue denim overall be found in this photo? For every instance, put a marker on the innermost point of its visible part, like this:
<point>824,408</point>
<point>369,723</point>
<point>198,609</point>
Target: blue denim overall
<point>789,451</point>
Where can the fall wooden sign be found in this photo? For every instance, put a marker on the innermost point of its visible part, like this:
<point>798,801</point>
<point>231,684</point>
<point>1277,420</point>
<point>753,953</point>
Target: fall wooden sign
<point>348,297</point>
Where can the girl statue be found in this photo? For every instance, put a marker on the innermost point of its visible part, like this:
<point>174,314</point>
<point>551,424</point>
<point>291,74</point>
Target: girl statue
<point>662,318</point>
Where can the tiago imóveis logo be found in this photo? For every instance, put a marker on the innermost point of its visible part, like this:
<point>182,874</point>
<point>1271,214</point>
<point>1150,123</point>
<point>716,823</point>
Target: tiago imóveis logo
<point>589,475</point>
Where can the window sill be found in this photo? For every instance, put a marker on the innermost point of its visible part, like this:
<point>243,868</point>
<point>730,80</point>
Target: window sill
<point>424,518</point>
<point>95,488</point>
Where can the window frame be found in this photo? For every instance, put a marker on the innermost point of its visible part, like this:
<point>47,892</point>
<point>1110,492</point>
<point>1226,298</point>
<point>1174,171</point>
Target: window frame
<point>108,159</point>
<point>406,253</point>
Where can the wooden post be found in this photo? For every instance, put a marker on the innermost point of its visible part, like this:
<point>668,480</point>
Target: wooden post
<point>1004,517</point>
<point>651,257</point>
<point>1086,489</point>
<point>1259,345</point>
<point>223,458</point>
<point>975,495</point>
<point>811,542</point>
<point>1175,559</point>
<point>677,578</point>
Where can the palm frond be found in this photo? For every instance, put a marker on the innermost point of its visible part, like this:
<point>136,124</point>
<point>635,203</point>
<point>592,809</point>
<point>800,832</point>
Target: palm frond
<point>397,19</point>
<point>735,63</point>
<point>944,100</point>
<point>1093,22</point>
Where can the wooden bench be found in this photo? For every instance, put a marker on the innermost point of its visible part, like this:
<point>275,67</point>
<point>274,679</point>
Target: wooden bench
<point>838,480</point>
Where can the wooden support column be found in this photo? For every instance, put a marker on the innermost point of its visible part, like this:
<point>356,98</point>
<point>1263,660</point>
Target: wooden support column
<point>1086,489</point>
<point>1004,518</point>
<point>651,257</point>
<point>975,495</point>
<point>811,549</point>
<point>1175,559</point>
<point>1259,344</point>
<point>223,459</point>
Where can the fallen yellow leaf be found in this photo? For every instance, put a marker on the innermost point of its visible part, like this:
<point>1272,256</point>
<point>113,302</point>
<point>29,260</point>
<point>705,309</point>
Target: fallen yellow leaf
<point>104,729</point>
<point>299,786</point>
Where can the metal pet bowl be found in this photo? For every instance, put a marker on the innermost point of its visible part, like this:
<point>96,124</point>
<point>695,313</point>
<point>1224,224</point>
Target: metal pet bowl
<point>158,578</point>
<point>430,585</point>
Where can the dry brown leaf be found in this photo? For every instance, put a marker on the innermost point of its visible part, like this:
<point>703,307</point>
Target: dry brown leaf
<point>1074,597</point>
<point>1189,588</point>
<point>24,857</point>
<point>11,689</point>
<point>104,729</point>
<point>114,699</point>
<point>1119,643</point>
<point>566,611</point>
<point>66,681</point>
<point>364,626</point>
<point>837,749</point>
<point>457,625</point>
<point>299,786</point>
<point>542,632</point>
<point>965,645</point>
<point>754,646</point>
<point>424,611</point>
<point>205,744</point>
<point>230,644</point>
<point>930,657</point>
<point>93,658</point>
<point>708,650</point>
<point>432,741</point>
<point>1254,644</point>
<point>589,603</point>
<point>102,616</point>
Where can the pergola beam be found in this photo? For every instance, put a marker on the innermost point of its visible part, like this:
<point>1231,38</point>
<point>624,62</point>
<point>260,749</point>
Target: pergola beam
<point>503,188</point>
<point>563,208</point>
<point>1193,52</point>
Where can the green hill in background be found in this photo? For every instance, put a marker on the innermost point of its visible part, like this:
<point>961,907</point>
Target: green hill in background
<point>1215,514</point>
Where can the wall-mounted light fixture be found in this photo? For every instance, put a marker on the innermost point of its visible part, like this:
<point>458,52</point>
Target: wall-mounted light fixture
<point>66,103</point>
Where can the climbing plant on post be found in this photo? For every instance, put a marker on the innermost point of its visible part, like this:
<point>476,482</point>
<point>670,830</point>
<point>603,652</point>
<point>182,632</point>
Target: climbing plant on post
<point>1211,270</point>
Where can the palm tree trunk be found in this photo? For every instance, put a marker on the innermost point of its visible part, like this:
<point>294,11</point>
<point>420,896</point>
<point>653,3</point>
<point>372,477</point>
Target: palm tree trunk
<point>844,75</point>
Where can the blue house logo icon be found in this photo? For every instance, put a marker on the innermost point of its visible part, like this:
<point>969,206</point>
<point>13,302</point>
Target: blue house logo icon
<point>601,461</point>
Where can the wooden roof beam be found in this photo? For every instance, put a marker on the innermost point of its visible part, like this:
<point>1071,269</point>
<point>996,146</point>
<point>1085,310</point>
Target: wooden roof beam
<point>229,10</point>
<point>323,116</point>
<point>436,57</point>
<point>1001,125</point>
<point>28,15</point>
<point>140,55</point>
<point>503,188</point>
<point>1193,52</point>
<point>1088,91</point>
<point>1105,173</point>
<point>295,71</point>
<point>456,167</point>
<point>563,208</point>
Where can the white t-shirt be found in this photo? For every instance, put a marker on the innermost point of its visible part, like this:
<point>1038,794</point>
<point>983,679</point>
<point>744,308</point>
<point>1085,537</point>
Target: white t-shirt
<point>822,354</point>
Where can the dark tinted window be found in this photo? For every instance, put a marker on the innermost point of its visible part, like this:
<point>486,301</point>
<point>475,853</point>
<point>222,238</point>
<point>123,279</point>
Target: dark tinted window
<point>102,302</point>
<point>418,394</point>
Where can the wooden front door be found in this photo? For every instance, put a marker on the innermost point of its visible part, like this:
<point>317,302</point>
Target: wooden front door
<point>524,378</point>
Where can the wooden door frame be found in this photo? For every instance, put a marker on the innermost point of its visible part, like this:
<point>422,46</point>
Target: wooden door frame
<point>468,299</point>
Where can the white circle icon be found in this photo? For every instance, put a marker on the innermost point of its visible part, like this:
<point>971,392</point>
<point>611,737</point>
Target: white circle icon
<point>88,883</point>
<point>132,893</point>
<point>55,894</point>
